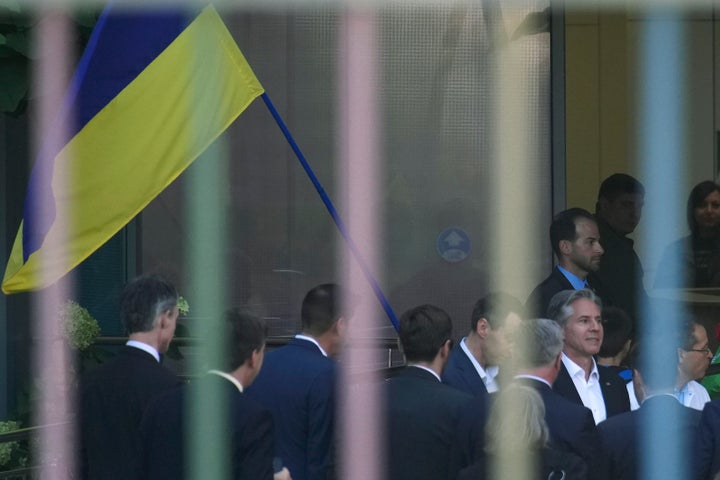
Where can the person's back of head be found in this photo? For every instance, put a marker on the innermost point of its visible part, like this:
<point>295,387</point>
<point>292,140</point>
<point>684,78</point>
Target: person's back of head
<point>424,330</point>
<point>563,226</point>
<point>321,308</point>
<point>244,333</point>
<point>657,368</point>
<point>516,422</point>
<point>540,342</point>
<point>560,308</point>
<point>142,301</point>
<point>618,330</point>
<point>495,308</point>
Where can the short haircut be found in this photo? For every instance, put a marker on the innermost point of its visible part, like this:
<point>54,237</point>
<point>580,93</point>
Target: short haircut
<point>619,183</point>
<point>560,308</point>
<point>662,374</point>
<point>517,421</point>
<point>143,299</point>
<point>617,330</point>
<point>563,226</point>
<point>540,340</point>
<point>663,356</point>
<point>687,338</point>
<point>244,333</point>
<point>423,331</point>
<point>695,200</point>
<point>321,308</point>
<point>495,307</point>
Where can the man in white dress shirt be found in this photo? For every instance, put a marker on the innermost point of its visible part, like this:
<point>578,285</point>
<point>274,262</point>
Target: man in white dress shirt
<point>474,366</point>
<point>693,361</point>
<point>579,380</point>
<point>694,357</point>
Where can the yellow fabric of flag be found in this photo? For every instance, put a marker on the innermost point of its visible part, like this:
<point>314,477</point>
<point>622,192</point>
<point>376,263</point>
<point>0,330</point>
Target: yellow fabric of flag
<point>137,145</point>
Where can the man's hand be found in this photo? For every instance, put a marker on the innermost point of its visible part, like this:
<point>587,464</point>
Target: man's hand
<point>283,474</point>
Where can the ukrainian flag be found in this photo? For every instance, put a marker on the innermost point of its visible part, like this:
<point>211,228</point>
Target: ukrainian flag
<point>151,93</point>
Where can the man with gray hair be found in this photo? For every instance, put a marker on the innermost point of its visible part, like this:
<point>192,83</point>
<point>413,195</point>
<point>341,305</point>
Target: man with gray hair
<point>539,361</point>
<point>579,380</point>
<point>113,397</point>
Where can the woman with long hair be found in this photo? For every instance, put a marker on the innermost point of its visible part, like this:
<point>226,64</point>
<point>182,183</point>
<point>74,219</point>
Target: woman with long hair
<point>694,261</point>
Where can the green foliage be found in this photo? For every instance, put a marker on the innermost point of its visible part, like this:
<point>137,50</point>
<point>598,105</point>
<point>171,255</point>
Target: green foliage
<point>80,328</point>
<point>16,52</point>
<point>183,306</point>
<point>12,454</point>
<point>15,49</point>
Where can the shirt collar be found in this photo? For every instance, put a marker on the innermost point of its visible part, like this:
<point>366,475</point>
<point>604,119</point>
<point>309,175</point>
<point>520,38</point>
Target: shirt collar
<point>229,377</point>
<point>144,347</point>
<point>481,371</point>
<point>533,377</point>
<point>427,370</point>
<point>300,336</point>
<point>662,395</point>
<point>574,369</point>
<point>574,280</point>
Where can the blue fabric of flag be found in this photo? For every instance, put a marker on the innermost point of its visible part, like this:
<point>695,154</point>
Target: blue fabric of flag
<point>122,44</point>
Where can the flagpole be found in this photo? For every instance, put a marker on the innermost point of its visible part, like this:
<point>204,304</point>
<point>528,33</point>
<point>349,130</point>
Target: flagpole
<point>333,212</point>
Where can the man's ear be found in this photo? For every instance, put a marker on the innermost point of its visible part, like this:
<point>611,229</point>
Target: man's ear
<point>483,327</point>
<point>340,326</point>
<point>445,349</point>
<point>254,357</point>
<point>565,247</point>
<point>165,319</point>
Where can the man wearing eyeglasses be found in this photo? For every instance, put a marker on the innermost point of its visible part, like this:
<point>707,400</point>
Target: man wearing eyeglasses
<point>694,358</point>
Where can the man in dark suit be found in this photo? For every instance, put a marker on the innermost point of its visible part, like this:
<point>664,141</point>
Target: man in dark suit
<point>538,361</point>
<point>422,413</point>
<point>579,380</point>
<point>707,453</point>
<point>575,240</point>
<point>248,429</point>
<point>662,425</point>
<point>113,397</point>
<point>297,384</point>
<point>473,367</point>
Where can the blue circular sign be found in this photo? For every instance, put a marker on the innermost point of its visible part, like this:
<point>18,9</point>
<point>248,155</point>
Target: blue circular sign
<point>453,244</point>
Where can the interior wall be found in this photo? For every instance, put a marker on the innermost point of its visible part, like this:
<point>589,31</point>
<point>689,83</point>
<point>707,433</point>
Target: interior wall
<point>602,104</point>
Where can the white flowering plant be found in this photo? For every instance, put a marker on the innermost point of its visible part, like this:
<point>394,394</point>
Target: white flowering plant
<point>79,327</point>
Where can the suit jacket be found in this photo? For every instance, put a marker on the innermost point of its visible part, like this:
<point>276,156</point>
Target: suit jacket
<point>571,427</point>
<point>248,433</point>
<point>297,384</point>
<point>707,453</point>
<point>113,398</point>
<point>612,386</point>
<point>539,299</point>
<point>622,442</point>
<point>422,417</point>
<point>620,272</point>
<point>460,373</point>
